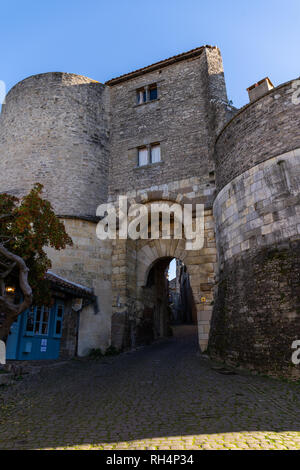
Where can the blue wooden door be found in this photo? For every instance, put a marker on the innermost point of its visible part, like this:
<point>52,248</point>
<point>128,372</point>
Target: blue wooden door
<point>13,339</point>
<point>37,334</point>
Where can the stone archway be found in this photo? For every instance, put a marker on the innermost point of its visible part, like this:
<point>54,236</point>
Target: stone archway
<point>131,264</point>
<point>132,261</point>
<point>201,268</point>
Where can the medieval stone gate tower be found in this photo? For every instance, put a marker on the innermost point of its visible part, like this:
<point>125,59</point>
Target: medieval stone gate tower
<point>167,133</point>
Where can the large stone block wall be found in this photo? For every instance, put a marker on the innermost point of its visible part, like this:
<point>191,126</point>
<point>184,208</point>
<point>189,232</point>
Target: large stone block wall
<point>256,315</point>
<point>54,130</point>
<point>259,208</point>
<point>261,130</point>
<point>180,119</point>
<point>88,262</point>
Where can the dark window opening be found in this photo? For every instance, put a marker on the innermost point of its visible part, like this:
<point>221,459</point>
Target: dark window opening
<point>146,94</point>
<point>153,93</point>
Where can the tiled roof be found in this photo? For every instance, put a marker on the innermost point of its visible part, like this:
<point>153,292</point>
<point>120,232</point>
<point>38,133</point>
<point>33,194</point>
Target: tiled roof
<point>158,65</point>
<point>77,289</point>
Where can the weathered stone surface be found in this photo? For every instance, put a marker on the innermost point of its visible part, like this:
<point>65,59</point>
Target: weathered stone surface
<point>178,119</point>
<point>54,128</point>
<point>256,315</point>
<point>259,207</point>
<point>259,131</point>
<point>88,262</point>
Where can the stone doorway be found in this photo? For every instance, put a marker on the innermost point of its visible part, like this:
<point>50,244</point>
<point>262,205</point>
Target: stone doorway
<point>132,262</point>
<point>136,305</point>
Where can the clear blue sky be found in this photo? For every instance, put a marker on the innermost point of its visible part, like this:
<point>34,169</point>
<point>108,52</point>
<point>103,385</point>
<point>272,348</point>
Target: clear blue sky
<point>172,270</point>
<point>103,39</point>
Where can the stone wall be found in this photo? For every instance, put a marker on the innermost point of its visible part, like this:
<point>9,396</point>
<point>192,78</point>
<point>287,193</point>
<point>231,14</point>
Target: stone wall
<point>180,119</point>
<point>54,130</point>
<point>80,138</point>
<point>88,262</point>
<point>259,207</point>
<point>256,315</point>
<point>262,129</point>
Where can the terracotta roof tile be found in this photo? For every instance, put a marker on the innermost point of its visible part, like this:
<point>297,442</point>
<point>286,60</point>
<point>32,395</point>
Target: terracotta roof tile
<point>157,65</point>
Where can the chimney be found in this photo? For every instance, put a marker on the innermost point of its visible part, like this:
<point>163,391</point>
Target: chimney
<point>259,89</point>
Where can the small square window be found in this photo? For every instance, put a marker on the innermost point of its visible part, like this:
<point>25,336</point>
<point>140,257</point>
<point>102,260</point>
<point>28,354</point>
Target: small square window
<point>146,94</point>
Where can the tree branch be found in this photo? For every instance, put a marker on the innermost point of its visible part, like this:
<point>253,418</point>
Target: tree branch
<point>23,280</point>
<point>9,268</point>
<point>3,242</point>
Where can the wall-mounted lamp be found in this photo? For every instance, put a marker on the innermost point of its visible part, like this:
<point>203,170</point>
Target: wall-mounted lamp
<point>10,290</point>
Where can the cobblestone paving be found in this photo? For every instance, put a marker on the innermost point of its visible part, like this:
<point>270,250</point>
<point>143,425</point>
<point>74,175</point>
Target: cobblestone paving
<point>164,396</point>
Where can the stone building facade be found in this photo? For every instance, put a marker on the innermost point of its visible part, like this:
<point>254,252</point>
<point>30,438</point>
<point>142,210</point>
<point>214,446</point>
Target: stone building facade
<point>167,133</point>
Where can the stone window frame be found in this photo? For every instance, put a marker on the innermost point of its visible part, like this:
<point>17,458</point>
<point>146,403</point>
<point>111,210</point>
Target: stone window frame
<point>144,91</point>
<point>149,157</point>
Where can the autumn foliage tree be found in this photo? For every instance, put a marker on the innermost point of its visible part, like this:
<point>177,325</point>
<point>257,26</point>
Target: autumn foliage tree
<point>27,227</point>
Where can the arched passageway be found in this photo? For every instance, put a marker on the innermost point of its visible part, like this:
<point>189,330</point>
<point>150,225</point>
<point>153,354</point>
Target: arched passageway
<point>140,300</point>
<point>166,303</point>
<point>137,303</point>
<point>180,295</point>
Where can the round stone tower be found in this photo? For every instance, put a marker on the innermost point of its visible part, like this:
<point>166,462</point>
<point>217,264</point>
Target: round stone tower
<point>256,314</point>
<point>54,130</point>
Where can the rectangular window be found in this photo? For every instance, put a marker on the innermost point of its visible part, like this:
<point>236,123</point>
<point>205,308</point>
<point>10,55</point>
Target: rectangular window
<point>45,321</point>
<point>153,92</point>
<point>37,321</point>
<point>143,156</point>
<point>30,321</point>
<point>147,93</point>
<point>155,153</point>
<point>141,96</point>
<point>149,154</point>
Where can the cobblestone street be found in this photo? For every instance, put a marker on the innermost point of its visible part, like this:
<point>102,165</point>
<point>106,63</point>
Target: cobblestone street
<point>163,396</point>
